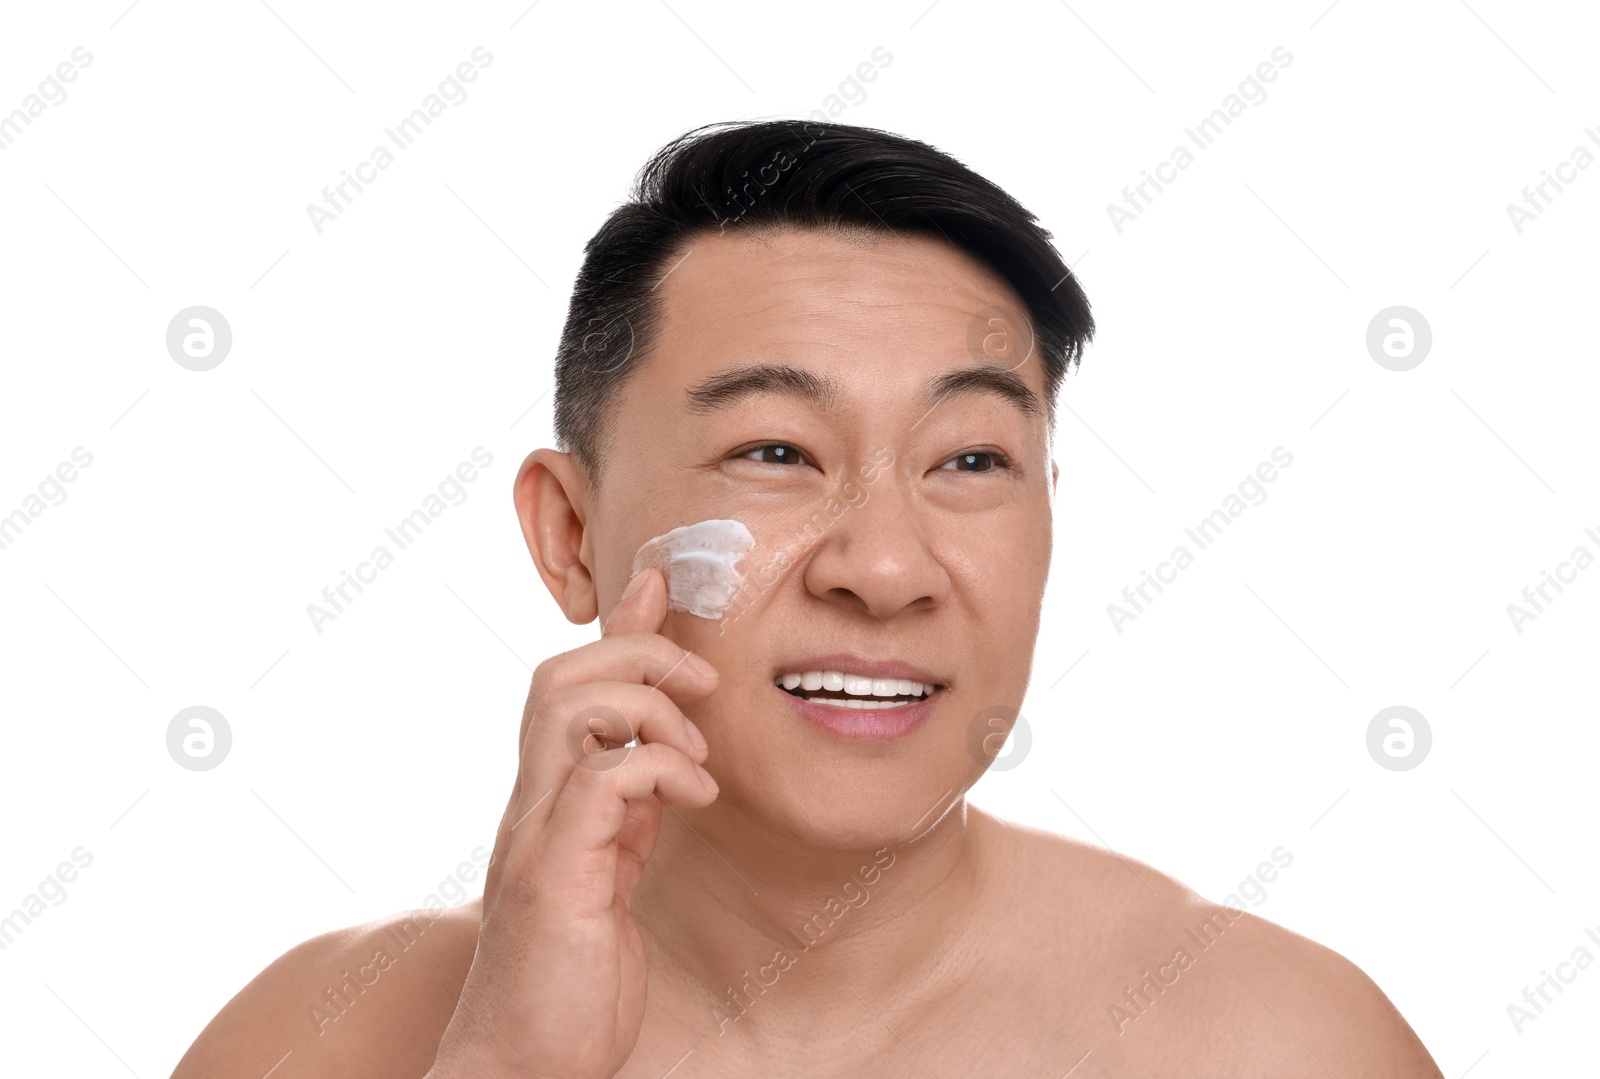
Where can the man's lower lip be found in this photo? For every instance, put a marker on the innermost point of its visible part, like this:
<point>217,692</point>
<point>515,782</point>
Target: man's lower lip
<point>862,724</point>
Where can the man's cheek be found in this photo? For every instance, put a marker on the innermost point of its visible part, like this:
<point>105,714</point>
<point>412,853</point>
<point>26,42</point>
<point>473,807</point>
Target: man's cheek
<point>705,565</point>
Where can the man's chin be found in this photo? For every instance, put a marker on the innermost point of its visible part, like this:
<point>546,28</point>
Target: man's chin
<point>836,811</point>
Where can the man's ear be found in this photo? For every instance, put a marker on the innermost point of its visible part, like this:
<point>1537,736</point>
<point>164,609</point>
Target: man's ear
<point>552,498</point>
<point>1055,474</point>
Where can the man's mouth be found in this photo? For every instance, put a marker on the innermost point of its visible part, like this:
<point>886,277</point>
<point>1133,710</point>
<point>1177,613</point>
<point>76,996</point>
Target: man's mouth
<point>849,690</point>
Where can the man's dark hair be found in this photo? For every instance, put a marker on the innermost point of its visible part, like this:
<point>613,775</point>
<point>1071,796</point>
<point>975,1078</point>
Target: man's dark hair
<point>790,174</point>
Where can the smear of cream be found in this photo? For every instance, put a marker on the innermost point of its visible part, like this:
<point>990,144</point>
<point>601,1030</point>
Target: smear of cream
<point>700,563</point>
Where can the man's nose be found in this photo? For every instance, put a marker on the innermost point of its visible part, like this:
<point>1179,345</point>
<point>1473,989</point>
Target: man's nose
<point>880,555</point>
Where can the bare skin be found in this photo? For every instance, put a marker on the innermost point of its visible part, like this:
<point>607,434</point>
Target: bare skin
<point>635,918</point>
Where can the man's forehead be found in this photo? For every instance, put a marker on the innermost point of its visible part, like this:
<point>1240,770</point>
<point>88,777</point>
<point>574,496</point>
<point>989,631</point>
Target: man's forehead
<point>794,295</point>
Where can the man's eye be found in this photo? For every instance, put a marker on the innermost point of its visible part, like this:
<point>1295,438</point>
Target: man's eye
<point>775,453</point>
<point>979,461</point>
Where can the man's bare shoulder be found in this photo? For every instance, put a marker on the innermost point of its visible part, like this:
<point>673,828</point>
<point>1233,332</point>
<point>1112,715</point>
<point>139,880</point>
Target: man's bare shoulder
<point>1166,976</point>
<point>370,1000</point>
<point>1293,1000</point>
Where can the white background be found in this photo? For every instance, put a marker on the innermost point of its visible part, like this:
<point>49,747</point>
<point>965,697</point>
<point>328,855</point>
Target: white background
<point>369,360</point>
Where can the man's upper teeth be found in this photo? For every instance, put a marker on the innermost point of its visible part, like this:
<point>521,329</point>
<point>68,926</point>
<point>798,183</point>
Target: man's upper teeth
<point>855,684</point>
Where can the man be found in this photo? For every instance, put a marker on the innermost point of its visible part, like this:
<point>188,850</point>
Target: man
<point>845,346</point>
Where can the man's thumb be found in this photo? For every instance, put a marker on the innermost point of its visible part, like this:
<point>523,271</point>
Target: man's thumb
<point>643,606</point>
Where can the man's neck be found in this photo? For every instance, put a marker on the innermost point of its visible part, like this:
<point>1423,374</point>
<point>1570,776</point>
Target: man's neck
<point>754,916</point>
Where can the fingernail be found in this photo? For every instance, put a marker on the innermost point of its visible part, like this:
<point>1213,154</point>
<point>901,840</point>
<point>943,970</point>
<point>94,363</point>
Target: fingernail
<point>705,669</point>
<point>696,739</point>
<point>633,586</point>
<point>705,777</point>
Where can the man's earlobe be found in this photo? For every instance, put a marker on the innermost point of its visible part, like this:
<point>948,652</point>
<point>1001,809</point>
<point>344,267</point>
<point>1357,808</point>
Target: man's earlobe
<point>551,496</point>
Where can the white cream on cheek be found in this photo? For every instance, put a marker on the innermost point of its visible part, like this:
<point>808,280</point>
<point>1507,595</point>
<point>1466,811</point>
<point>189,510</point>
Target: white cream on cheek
<point>699,562</point>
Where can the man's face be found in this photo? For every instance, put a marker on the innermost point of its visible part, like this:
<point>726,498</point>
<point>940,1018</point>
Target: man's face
<point>891,523</point>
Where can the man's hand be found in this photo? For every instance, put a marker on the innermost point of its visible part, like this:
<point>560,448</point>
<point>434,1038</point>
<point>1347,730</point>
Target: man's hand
<point>557,987</point>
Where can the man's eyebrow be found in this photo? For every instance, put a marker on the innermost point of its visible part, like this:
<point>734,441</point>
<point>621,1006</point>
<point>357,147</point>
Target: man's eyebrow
<point>726,388</point>
<point>985,378</point>
<point>729,387</point>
